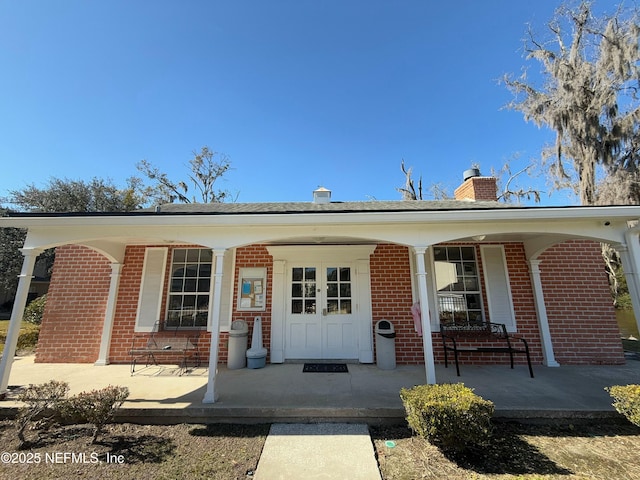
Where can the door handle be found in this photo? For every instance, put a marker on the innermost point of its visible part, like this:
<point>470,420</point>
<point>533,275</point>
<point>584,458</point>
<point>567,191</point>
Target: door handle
<point>324,312</point>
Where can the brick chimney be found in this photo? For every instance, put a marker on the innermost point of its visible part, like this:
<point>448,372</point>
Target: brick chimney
<point>476,187</point>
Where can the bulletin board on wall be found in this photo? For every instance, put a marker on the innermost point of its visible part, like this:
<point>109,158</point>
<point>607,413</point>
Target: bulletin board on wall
<point>252,289</point>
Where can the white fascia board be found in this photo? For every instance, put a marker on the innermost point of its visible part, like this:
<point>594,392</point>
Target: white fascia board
<point>381,217</point>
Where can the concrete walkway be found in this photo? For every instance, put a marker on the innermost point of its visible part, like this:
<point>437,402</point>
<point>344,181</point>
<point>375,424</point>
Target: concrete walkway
<point>330,451</point>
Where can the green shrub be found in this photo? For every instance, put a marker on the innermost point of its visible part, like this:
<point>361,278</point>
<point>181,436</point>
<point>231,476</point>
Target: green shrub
<point>96,407</point>
<point>28,338</point>
<point>450,416</point>
<point>42,403</point>
<point>627,401</point>
<point>35,310</point>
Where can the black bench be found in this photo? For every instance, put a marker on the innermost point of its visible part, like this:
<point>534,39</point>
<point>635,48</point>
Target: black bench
<point>163,343</point>
<point>473,334</point>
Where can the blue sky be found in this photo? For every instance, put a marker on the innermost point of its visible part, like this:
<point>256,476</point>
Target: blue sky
<point>297,93</point>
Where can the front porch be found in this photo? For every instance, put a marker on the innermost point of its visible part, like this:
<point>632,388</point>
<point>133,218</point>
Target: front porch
<point>282,393</point>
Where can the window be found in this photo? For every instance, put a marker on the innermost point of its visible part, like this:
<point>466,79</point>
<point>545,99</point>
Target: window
<point>456,272</point>
<point>188,304</point>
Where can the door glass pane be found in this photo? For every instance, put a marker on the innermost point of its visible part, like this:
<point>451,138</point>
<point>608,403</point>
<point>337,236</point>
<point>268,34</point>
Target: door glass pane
<point>296,274</point>
<point>332,306</point>
<point>345,274</point>
<point>332,274</point>
<point>310,290</point>
<point>296,306</point>
<point>310,273</point>
<point>332,290</point>
<point>345,306</point>
<point>310,306</point>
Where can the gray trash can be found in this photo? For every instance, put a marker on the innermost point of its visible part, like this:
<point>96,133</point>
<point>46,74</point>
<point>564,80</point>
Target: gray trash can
<point>237,345</point>
<point>385,345</point>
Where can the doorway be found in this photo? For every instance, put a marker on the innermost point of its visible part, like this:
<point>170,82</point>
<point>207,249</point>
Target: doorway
<point>321,303</point>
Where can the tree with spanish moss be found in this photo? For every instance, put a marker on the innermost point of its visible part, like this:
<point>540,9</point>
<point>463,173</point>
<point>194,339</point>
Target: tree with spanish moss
<point>588,96</point>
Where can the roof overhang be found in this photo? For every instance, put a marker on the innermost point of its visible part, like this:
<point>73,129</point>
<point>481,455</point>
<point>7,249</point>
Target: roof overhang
<point>552,214</point>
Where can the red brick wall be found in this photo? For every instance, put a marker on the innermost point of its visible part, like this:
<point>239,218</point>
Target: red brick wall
<point>391,299</point>
<point>581,316</point>
<point>254,256</point>
<point>76,303</point>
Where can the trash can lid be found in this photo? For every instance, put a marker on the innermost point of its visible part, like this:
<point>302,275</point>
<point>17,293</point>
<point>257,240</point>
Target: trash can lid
<point>384,325</point>
<point>239,328</point>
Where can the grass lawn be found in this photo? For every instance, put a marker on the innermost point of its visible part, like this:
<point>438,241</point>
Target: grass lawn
<point>4,327</point>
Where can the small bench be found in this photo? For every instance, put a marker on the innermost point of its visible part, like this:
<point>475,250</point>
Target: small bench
<point>163,343</point>
<point>477,332</point>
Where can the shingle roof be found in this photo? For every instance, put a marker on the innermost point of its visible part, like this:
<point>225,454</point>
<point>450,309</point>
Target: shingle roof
<point>333,207</point>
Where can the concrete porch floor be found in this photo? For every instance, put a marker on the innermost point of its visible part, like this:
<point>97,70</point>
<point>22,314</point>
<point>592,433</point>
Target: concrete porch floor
<point>282,393</point>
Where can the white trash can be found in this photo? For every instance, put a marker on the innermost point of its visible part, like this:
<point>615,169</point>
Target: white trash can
<point>238,337</point>
<point>385,345</point>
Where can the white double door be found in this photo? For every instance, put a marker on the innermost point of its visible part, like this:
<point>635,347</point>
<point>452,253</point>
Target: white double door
<point>321,320</point>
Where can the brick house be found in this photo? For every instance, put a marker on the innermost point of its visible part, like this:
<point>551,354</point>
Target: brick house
<point>320,274</point>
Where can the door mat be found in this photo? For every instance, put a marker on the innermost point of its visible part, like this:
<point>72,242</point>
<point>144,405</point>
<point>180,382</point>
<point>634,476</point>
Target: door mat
<point>325,368</point>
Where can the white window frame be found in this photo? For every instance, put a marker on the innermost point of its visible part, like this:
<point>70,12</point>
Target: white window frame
<point>464,292</point>
<point>183,293</point>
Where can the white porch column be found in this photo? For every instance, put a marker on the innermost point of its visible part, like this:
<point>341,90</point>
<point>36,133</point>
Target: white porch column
<point>543,321</point>
<point>630,257</point>
<point>427,344</point>
<point>30,256</point>
<point>109,315</point>
<point>214,315</point>
<point>630,275</point>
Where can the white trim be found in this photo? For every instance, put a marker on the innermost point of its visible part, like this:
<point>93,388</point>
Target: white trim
<point>499,311</point>
<point>308,253</point>
<point>278,310</point>
<point>363,308</point>
<point>151,289</point>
